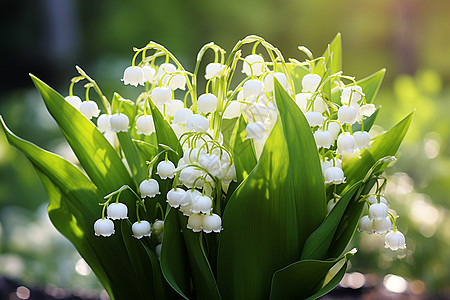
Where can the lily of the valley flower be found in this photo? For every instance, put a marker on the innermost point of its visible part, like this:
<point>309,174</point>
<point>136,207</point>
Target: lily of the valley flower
<point>310,82</point>
<point>395,240</point>
<point>117,211</point>
<point>149,188</point>
<point>89,109</point>
<point>119,122</point>
<point>104,227</point>
<point>144,125</point>
<point>141,228</point>
<point>165,169</point>
<point>133,76</point>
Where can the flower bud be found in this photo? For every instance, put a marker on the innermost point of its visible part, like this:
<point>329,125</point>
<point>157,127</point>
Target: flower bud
<point>119,122</point>
<point>149,188</point>
<point>346,143</point>
<point>144,125</point>
<point>149,73</point>
<point>310,82</point>
<point>252,87</point>
<point>178,81</point>
<point>133,76</point>
<point>103,227</point>
<point>269,81</point>
<point>141,228</point>
<point>165,169</point>
<point>395,240</point>
<point>89,109</point>
<point>378,211</point>
<point>381,226</point>
<point>365,224</point>
<point>233,110</point>
<point>207,103</point>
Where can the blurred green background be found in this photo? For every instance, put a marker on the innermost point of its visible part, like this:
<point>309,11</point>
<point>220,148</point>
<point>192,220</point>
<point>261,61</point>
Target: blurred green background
<point>410,38</point>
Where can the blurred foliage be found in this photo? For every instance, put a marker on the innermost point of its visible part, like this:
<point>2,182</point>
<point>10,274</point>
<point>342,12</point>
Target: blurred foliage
<point>49,37</point>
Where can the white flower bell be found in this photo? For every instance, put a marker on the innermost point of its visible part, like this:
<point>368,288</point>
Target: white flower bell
<point>395,240</point>
<point>149,73</point>
<point>175,197</point>
<point>253,64</point>
<point>189,175</point>
<point>161,95</point>
<point>75,101</point>
<point>89,109</point>
<point>212,223</point>
<point>195,222</point>
<point>362,139</point>
<point>182,115</point>
<point>381,226</point>
<point>378,211</point>
<point>346,143</point>
<point>198,123</point>
<point>177,81</point>
<point>103,123</point>
<point>117,211</point>
<point>141,228</point>
<point>252,87</point>
<point>334,128</point>
<point>207,103</point>
<point>213,70</point>
<point>334,175</point>
<point>314,118</point>
<point>310,82</point>
<point>119,122</point>
<point>144,125</point>
<point>233,110</point>
<point>302,100</point>
<point>365,224</point>
<point>323,138</point>
<point>133,76</point>
<point>373,200</point>
<point>347,115</point>
<point>173,107</point>
<point>104,227</point>
<point>202,204</point>
<point>149,188</point>
<point>165,169</point>
<point>352,94</point>
<point>367,110</point>
<point>256,130</point>
<point>269,81</point>
<point>164,72</point>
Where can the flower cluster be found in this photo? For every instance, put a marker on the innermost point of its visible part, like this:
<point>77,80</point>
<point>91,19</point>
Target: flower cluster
<point>201,177</point>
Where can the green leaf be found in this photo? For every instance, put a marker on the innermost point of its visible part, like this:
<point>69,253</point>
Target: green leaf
<point>318,243</point>
<point>371,84</point>
<point>331,284</point>
<point>102,164</point>
<point>301,279</point>
<point>133,156</point>
<point>297,72</point>
<point>124,106</point>
<point>368,123</point>
<point>242,149</point>
<point>147,150</point>
<point>333,58</point>
<point>274,210</point>
<point>227,131</point>
<point>73,210</point>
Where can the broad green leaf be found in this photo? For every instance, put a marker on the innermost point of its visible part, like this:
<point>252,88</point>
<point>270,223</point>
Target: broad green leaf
<point>227,131</point>
<point>383,145</point>
<point>333,55</point>
<point>297,72</point>
<point>301,279</point>
<point>368,123</point>
<point>174,263</point>
<point>242,149</point>
<point>148,151</point>
<point>274,210</point>
<point>124,106</point>
<point>102,164</point>
<point>331,284</point>
<point>318,243</point>
<point>133,156</point>
<point>73,210</point>
<point>371,84</point>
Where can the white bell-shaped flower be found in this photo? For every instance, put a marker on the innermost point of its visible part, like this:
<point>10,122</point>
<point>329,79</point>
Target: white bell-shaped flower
<point>164,72</point>
<point>161,95</point>
<point>202,205</point>
<point>320,105</point>
<point>253,64</point>
<point>191,197</point>
<point>378,211</point>
<point>104,227</point>
<point>314,118</point>
<point>178,81</point>
<point>141,228</point>
<point>230,175</point>
<point>103,123</point>
<point>207,103</point>
<point>189,175</point>
<point>175,197</point>
<point>179,130</point>
<point>149,188</point>
<point>119,122</point>
<point>373,200</point>
<point>173,107</point>
<point>334,175</point>
<point>347,114</point>
<point>367,110</point>
<point>362,139</point>
<point>269,81</point>
<point>233,110</point>
<point>395,240</point>
<point>111,137</point>
<point>310,82</point>
<point>165,169</point>
<point>193,155</point>
<point>381,226</point>
<point>351,93</point>
<point>117,211</point>
<point>133,76</point>
<point>258,112</point>
<point>328,163</point>
<point>89,109</point>
<point>256,131</point>
<point>149,73</point>
<point>302,100</point>
<point>195,222</point>
<point>198,123</point>
<point>213,70</point>
<point>252,87</point>
<point>182,115</point>
<point>323,138</point>
<point>334,129</point>
<point>158,227</point>
<point>212,223</point>
<point>346,143</point>
<point>144,125</point>
<point>365,224</point>
<point>210,162</point>
<point>75,101</point>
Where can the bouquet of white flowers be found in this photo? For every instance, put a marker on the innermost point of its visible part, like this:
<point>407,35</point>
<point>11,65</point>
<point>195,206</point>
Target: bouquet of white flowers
<point>247,191</point>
